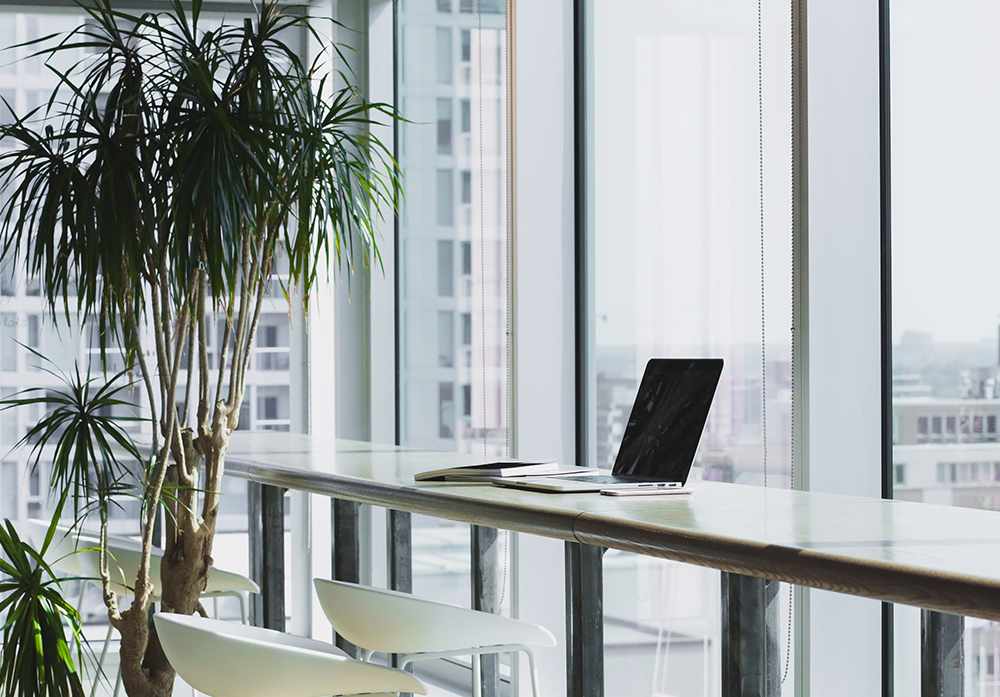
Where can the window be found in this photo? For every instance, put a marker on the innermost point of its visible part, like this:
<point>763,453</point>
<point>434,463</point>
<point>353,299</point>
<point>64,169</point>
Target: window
<point>466,187</point>
<point>444,59</point>
<point>676,239</point>
<point>446,197</point>
<point>34,341</point>
<point>466,258</point>
<point>445,268</point>
<point>446,410</point>
<point>922,425</point>
<point>446,339</point>
<point>950,424</point>
<point>936,425</point>
<point>900,473</point>
<point>444,126</point>
<point>466,45</point>
<point>444,5</point>
<point>465,107</point>
<point>466,329</point>
<point>435,88</point>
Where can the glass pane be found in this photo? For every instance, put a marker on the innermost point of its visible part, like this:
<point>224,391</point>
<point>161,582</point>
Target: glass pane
<point>674,174</point>
<point>945,308</point>
<point>452,251</point>
<point>453,230</point>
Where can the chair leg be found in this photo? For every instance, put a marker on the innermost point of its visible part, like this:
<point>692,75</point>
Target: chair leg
<point>100,663</point>
<point>243,608</point>
<point>477,676</point>
<point>534,672</point>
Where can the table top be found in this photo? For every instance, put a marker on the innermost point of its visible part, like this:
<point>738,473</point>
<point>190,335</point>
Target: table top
<point>938,557</point>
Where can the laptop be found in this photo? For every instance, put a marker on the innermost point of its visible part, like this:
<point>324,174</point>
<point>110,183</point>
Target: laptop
<point>662,435</point>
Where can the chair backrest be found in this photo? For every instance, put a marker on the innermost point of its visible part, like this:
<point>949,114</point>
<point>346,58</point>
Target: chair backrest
<point>76,555</point>
<point>382,620</point>
<point>223,659</point>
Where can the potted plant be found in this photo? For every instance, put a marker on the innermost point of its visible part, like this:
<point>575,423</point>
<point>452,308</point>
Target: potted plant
<point>156,188</point>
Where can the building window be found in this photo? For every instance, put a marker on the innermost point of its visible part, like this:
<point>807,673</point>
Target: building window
<point>444,5</point>
<point>465,106</point>
<point>466,329</point>
<point>444,60</point>
<point>466,186</point>
<point>936,425</point>
<point>900,473</point>
<point>466,258</point>
<point>444,126</point>
<point>446,268</point>
<point>466,46</point>
<point>949,425</point>
<point>991,424</point>
<point>922,426</point>
<point>446,410</point>
<point>446,339</point>
<point>445,197</point>
<point>467,400</point>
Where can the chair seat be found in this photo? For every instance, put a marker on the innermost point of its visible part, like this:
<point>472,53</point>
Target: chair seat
<point>393,622</point>
<point>222,659</point>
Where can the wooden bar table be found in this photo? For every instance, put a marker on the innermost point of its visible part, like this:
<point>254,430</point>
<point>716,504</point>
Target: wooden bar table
<point>935,557</point>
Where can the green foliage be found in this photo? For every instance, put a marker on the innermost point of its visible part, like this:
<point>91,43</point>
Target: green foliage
<point>167,148</point>
<point>36,660</point>
<point>87,440</point>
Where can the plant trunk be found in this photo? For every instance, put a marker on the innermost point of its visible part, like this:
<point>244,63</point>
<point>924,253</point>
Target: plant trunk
<point>184,570</point>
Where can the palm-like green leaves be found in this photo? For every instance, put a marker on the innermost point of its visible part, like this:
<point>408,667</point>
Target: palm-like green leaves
<point>174,144</point>
<point>87,441</point>
<point>36,660</point>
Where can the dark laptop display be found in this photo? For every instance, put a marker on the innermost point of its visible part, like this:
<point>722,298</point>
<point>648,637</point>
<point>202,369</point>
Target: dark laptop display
<point>662,435</point>
<point>667,419</point>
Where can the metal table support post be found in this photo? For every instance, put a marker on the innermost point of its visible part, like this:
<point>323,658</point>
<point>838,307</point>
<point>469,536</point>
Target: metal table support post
<point>346,553</point>
<point>266,514</point>
<point>400,546</point>
<point>751,650</point>
<point>400,551</point>
<point>486,596</point>
<point>584,620</point>
<point>942,670</point>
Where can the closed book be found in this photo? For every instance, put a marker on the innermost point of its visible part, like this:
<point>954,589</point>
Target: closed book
<point>487,470</point>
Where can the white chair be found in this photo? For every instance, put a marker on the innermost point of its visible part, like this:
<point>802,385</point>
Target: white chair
<point>72,553</point>
<point>391,622</point>
<point>224,659</point>
<point>75,554</point>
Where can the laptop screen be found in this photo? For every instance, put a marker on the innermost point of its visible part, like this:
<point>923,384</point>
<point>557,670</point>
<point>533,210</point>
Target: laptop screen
<point>668,418</point>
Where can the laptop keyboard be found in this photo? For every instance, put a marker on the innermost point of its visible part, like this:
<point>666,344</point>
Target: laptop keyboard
<point>603,479</point>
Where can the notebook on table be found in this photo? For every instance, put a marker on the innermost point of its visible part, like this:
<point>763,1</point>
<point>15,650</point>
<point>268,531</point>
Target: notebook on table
<point>662,435</point>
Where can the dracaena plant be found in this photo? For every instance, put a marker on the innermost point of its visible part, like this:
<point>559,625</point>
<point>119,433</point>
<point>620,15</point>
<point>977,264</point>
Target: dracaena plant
<point>153,191</point>
<point>36,661</point>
